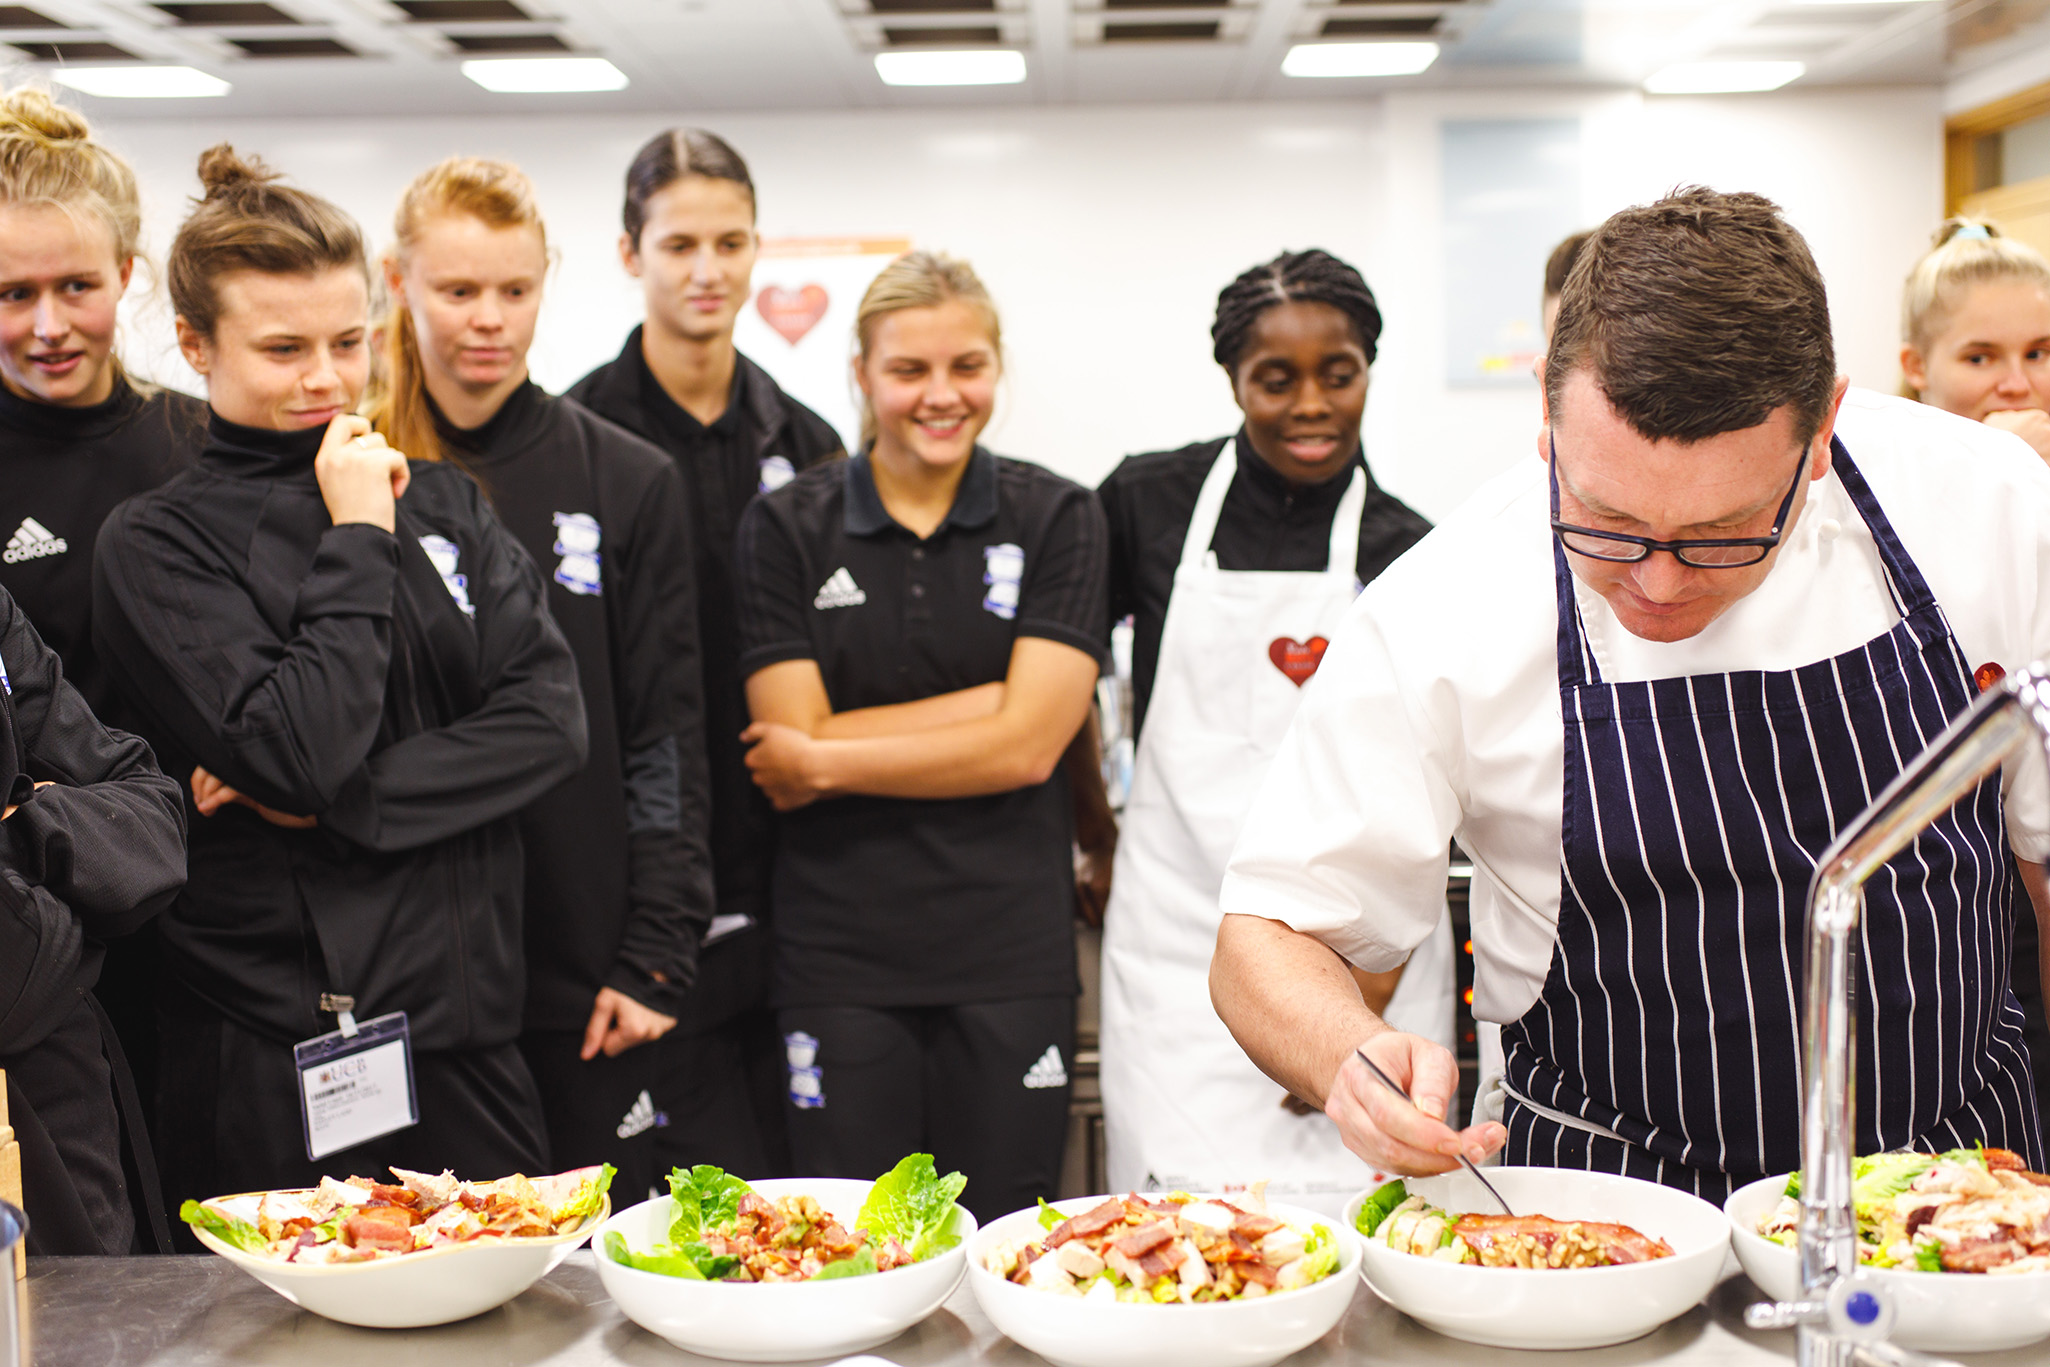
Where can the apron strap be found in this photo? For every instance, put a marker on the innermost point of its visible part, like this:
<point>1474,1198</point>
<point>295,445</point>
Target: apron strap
<point>1210,503</point>
<point>1345,527</point>
<point>1577,665</point>
<point>1911,592</point>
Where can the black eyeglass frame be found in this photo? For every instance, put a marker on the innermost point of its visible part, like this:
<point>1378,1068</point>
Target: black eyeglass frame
<point>1677,549</point>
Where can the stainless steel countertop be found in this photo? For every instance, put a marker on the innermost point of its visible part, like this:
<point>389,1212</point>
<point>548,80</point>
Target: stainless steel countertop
<point>123,1312</point>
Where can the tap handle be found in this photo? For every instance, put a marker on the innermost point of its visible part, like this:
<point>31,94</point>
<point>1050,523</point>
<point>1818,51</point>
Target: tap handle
<point>1892,1355</point>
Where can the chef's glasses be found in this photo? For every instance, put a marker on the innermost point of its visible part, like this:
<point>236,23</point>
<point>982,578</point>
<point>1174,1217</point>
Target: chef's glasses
<point>1718,553</point>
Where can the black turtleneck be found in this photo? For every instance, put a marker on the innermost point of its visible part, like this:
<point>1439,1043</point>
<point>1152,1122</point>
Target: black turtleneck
<point>1266,524</point>
<point>408,690</point>
<point>619,880</point>
<point>64,469</point>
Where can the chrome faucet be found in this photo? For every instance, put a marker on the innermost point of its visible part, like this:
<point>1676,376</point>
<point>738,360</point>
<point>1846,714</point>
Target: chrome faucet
<point>1843,1316</point>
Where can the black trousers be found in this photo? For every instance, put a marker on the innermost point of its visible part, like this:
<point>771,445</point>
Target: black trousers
<point>598,1110</point>
<point>228,1115</point>
<point>983,1088</point>
<point>720,1093</point>
<point>60,1098</point>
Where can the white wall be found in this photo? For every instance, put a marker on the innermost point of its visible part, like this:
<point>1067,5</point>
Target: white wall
<point>1106,232</point>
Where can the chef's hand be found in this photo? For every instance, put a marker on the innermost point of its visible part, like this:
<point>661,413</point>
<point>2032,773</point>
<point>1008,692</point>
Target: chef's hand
<point>2032,425</point>
<point>209,794</point>
<point>12,808</point>
<point>1388,1132</point>
<point>361,478</point>
<point>619,1023</point>
<point>780,761</point>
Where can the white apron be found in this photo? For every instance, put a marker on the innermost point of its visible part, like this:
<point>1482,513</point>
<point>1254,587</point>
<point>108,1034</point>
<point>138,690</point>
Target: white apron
<point>1184,1108</point>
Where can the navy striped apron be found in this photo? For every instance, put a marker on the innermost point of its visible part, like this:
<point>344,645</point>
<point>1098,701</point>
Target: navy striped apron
<point>1665,1043</point>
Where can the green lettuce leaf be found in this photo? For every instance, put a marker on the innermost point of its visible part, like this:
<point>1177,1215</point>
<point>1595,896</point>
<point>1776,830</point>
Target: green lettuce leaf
<point>590,1196</point>
<point>1375,1208</point>
<point>914,1205</point>
<point>1883,1176</point>
<point>1320,1253</point>
<point>1975,1156</point>
<point>1049,1218</point>
<point>860,1265</point>
<point>666,1261</point>
<point>706,1197</point>
<point>225,1227</point>
<point>1928,1256</point>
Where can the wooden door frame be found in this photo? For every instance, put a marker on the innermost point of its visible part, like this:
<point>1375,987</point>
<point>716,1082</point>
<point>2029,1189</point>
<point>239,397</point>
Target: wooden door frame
<point>1961,133</point>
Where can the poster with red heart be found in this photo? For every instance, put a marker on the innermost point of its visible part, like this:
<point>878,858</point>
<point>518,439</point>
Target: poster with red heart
<point>800,324</point>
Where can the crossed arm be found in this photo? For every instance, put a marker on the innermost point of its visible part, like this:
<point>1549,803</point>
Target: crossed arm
<point>989,739</point>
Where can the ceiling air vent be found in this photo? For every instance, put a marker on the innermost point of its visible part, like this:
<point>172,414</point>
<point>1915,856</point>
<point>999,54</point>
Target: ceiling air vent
<point>462,11</point>
<point>21,16</point>
<point>508,42</point>
<point>1151,33</point>
<point>293,47</point>
<point>222,15</point>
<point>928,6</point>
<point>75,52</point>
<point>1377,28</point>
<point>958,35</point>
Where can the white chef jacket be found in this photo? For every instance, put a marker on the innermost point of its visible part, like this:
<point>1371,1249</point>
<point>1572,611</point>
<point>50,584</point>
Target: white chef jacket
<point>1435,714</point>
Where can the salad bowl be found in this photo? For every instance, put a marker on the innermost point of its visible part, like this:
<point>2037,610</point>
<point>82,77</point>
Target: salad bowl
<point>1590,1307</point>
<point>1933,1311</point>
<point>777,1321</point>
<point>1071,1331</point>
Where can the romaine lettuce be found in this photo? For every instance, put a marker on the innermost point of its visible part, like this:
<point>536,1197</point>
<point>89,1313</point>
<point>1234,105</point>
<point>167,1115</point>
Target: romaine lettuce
<point>589,1198</point>
<point>1375,1208</point>
<point>1049,1218</point>
<point>706,1197</point>
<point>860,1265</point>
<point>1320,1254</point>
<point>225,1227</point>
<point>914,1205</point>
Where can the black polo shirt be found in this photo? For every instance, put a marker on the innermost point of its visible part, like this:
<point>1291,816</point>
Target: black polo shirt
<point>899,902</point>
<point>1266,524</point>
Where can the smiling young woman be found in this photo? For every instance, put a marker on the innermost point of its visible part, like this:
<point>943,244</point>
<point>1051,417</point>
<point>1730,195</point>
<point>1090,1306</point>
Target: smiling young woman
<point>351,659</point>
<point>1236,557</point>
<point>619,883</point>
<point>921,629</point>
<point>688,237</point>
<point>1975,330</point>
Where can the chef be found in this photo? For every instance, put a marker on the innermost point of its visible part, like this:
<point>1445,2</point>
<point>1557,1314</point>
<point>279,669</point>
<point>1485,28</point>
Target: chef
<point>1644,681</point>
<point>1237,558</point>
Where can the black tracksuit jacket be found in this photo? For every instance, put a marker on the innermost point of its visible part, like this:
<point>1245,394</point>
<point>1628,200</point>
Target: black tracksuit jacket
<point>722,468</point>
<point>94,855</point>
<point>410,691</point>
<point>619,876</point>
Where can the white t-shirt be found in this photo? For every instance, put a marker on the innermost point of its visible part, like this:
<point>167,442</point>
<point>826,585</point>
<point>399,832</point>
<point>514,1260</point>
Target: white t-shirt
<point>1435,713</point>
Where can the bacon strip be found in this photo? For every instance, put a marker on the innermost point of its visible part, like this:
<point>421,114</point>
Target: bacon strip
<point>1141,1241</point>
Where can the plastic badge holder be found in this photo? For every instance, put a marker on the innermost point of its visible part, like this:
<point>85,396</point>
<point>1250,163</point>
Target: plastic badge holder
<point>356,1083</point>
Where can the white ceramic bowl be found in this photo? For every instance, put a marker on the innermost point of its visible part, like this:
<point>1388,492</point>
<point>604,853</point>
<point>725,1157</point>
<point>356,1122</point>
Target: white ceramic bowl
<point>438,1286</point>
<point>1933,1311</point>
<point>1589,1307</point>
<point>777,1321</point>
<point>1072,1332</point>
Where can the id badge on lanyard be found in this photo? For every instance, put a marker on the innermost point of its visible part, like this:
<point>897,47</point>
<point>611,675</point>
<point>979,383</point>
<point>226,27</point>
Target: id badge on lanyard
<point>355,1083</point>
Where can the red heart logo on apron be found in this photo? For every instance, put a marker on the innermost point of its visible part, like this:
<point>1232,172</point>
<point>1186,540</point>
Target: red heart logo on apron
<point>1297,659</point>
<point>792,313</point>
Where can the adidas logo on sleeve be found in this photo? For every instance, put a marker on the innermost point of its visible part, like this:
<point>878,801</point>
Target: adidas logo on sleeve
<point>839,591</point>
<point>1049,1071</point>
<point>32,541</point>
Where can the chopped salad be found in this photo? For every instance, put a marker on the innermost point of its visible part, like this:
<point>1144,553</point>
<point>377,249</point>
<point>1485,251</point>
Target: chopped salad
<point>1410,1224</point>
<point>1166,1250</point>
<point>362,1220</point>
<point>724,1230</point>
<point>1969,1210</point>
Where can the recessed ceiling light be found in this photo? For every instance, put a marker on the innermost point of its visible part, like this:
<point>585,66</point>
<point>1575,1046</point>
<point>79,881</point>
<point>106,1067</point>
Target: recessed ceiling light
<point>141,82</point>
<point>1721,78</point>
<point>544,75</point>
<point>977,66</point>
<point>1358,59</point>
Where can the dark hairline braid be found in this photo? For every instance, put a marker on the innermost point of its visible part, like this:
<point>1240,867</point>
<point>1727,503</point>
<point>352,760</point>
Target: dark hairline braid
<point>1314,277</point>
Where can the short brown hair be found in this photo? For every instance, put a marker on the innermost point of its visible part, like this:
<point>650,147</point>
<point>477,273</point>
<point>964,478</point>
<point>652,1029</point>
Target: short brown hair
<point>1559,264</point>
<point>1697,315</point>
<point>247,222</point>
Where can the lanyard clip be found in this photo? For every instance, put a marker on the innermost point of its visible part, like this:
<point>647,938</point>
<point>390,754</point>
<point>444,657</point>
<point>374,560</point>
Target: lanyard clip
<point>344,1009</point>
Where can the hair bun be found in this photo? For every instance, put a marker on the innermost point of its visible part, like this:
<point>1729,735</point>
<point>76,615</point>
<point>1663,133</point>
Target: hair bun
<point>1954,228</point>
<point>31,113</point>
<point>224,172</point>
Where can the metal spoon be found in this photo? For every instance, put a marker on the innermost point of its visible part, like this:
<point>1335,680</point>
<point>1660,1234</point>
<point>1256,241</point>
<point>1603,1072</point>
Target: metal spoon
<point>1389,1083</point>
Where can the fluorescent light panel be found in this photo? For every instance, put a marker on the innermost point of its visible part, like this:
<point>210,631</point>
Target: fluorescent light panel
<point>1721,78</point>
<point>544,75</point>
<point>1358,59</point>
<point>141,82</point>
<point>975,66</point>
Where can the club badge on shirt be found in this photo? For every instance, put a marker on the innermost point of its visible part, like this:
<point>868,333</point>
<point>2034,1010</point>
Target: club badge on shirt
<point>777,471</point>
<point>576,541</point>
<point>446,554</point>
<point>1003,569</point>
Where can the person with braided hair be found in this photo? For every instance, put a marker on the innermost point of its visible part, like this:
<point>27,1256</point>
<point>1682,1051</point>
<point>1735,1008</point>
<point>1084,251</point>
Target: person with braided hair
<point>1236,557</point>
